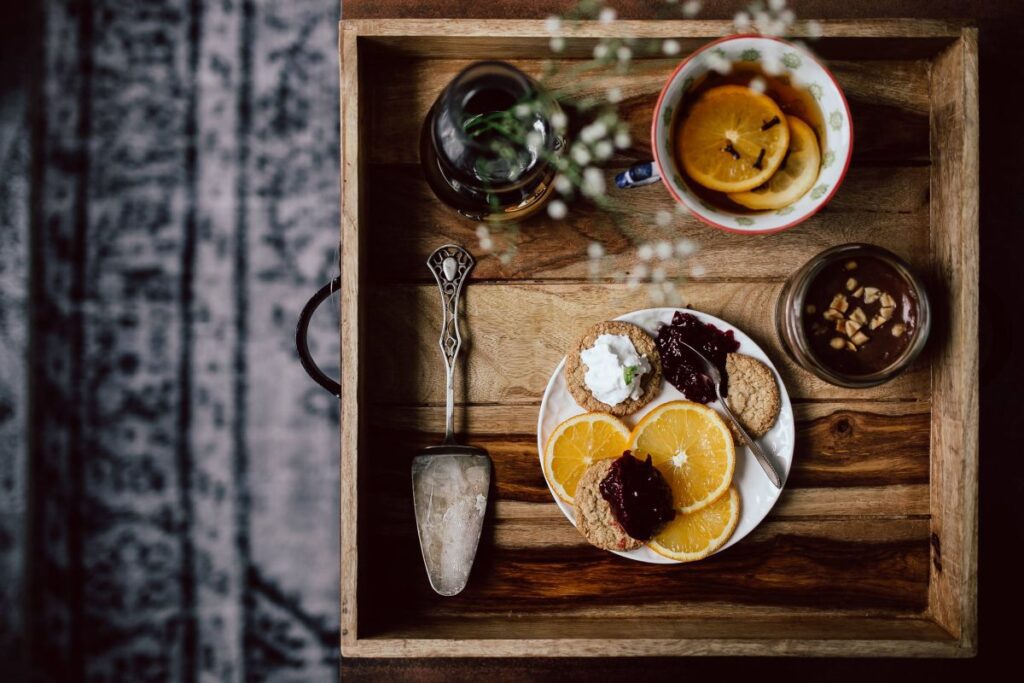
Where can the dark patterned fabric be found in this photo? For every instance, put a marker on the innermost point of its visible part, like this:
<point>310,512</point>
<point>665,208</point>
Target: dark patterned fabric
<point>182,468</point>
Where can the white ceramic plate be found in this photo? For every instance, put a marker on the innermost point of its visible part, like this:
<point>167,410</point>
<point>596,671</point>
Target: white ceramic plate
<point>757,495</point>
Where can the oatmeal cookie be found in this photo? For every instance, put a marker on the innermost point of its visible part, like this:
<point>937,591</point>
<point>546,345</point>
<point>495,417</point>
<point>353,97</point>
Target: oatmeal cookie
<point>576,369</point>
<point>594,517</point>
<point>753,394</point>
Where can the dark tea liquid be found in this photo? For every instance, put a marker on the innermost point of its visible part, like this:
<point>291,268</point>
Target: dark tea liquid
<point>792,100</point>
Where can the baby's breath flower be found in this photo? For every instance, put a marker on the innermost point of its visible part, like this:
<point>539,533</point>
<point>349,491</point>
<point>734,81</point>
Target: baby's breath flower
<point>615,95</point>
<point>595,250</point>
<point>609,118</point>
<point>814,29</point>
<point>645,252</point>
<point>552,24</point>
<point>505,258</point>
<point>663,218</point>
<point>717,62</point>
<point>603,149</point>
<point>563,184</point>
<point>601,51</point>
<point>486,243</point>
<point>697,270</point>
<point>482,231</point>
<point>559,120</point>
<point>557,44</point>
<point>663,249</point>
<point>557,209</point>
<point>580,154</point>
<point>771,63</point>
<point>534,139</point>
<point>658,274</point>
<point>787,16</point>
<point>776,5</point>
<point>593,132</point>
<point>607,15</point>
<point>622,139</point>
<point>593,182</point>
<point>523,110</point>
<point>685,247</point>
<point>624,53</point>
<point>691,8</point>
<point>670,47</point>
<point>656,295</point>
<point>758,84</point>
<point>741,21</point>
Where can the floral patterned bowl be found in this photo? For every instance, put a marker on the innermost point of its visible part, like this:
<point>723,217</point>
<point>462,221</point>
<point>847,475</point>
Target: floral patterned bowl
<point>803,69</point>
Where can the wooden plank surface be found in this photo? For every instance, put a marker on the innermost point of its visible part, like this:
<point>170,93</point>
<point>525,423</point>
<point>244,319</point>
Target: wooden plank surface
<point>954,472</point>
<point>849,541</point>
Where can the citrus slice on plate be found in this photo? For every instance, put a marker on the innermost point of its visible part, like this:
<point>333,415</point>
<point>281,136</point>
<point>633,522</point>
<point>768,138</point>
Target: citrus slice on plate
<point>692,448</point>
<point>794,177</point>
<point>696,535</point>
<point>733,139</point>
<point>576,444</point>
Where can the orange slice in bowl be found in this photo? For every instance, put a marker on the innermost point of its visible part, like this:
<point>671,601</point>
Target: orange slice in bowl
<point>696,535</point>
<point>796,175</point>
<point>577,443</point>
<point>733,139</point>
<point>692,448</point>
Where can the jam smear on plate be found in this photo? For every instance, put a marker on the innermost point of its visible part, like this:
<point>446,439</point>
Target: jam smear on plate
<point>640,498</point>
<point>682,369</point>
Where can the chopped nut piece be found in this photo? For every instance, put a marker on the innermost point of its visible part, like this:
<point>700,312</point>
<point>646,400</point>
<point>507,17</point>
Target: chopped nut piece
<point>839,303</point>
<point>859,293</point>
<point>811,308</point>
<point>859,315</point>
<point>851,285</point>
<point>850,346</point>
<point>871,295</point>
<point>851,265</point>
<point>887,300</point>
<point>877,322</point>
<point>898,329</point>
<point>832,314</point>
<point>859,339</point>
<point>887,312</point>
<point>841,326</point>
<point>850,327</point>
<point>837,343</point>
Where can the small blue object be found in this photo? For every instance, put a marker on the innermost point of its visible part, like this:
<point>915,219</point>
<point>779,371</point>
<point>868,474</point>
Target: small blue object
<point>637,176</point>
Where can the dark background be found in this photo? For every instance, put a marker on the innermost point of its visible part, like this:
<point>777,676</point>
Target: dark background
<point>177,230</point>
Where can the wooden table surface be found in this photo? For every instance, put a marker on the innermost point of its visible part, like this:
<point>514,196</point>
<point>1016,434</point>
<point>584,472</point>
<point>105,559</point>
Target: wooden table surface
<point>1002,479</point>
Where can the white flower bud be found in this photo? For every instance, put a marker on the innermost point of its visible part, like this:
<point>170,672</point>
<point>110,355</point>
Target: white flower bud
<point>614,95</point>
<point>580,154</point>
<point>593,182</point>
<point>482,231</point>
<point>691,8</point>
<point>670,47</point>
<point>645,252</point>
<point>624,54</point>
<point>622,139</point>
<point>552,24</point>
<point>559,120</point>
<point>603,150</point>
<point>557,44</point>
<point>663,249</point>
<point>607,15</point>
<point>563,184</point>
<point>663,218</point>
<point>601,51</point>
<point>557,209</point>
<point>595,250</point>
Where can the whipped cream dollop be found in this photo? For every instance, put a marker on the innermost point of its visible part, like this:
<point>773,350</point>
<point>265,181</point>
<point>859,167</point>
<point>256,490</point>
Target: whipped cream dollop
<point>614,369</point>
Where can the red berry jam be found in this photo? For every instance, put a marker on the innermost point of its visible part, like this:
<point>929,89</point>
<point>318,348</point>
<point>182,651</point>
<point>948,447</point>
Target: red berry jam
<point>639,496</point>
<point>681,367</point>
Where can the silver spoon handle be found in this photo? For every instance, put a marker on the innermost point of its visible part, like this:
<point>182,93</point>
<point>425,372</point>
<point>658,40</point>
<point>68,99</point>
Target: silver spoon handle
<point>450,265</point>
<point>754,447</point>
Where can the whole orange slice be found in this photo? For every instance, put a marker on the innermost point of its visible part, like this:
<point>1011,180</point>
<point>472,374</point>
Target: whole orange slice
<point>576,444</point>
<point>733,139</point>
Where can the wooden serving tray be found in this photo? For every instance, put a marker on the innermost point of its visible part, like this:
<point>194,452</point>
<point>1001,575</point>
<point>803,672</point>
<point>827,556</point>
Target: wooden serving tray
<point>872,548</point>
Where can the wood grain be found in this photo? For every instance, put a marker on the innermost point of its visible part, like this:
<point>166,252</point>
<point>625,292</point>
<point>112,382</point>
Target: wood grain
<point>516,334</point>
<point>954,472</point>
<point>886,205</point>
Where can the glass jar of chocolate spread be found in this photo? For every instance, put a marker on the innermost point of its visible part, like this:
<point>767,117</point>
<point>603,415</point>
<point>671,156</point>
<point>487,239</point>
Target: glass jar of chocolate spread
<point>854,315</point>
